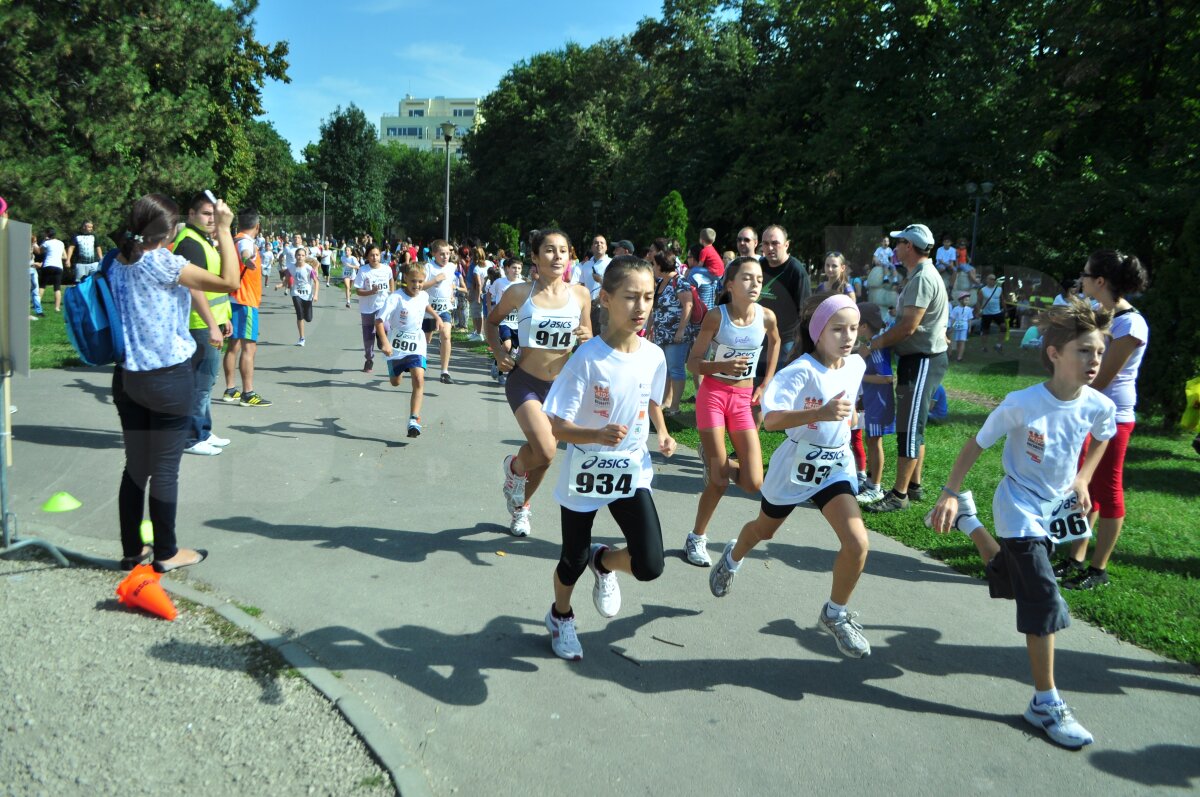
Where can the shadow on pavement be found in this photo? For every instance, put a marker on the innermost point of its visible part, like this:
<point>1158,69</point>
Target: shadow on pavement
<point>919,650</point>
<point>902,567</point>
<point>322,426</point>
<point>69,436</point>
<point>1174,765</point>
<point>400,545</point>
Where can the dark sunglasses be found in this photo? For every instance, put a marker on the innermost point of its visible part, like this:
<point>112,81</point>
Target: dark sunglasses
<point>745,240</point>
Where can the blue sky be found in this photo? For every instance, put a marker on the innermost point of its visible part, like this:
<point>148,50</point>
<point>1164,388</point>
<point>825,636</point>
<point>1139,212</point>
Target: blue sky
<point>373,52</point>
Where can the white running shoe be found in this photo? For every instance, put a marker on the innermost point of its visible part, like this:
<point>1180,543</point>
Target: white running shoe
<point>563,639</point>
<point>606,594</point>
<point>847,632</point>
<point>696,549</point>
<point>1059,723</point>
<point>520,526</point>
<point>514,486</point>
<point>870,495</point>
<point>203,448</point>
<point>213,440</point>
<point>721,577</point>
<point>300,342</point>
<point>966,520</point>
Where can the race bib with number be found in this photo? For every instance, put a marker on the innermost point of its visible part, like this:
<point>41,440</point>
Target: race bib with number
<point>510,320</point>
<point>440,305</point>
<point>303,290</point>
<point>1065,521</point>
<point>604,474</point>
<point>813,464</point>
<point>725,353</point>
<point>410,343</point>
<point>548,331</point>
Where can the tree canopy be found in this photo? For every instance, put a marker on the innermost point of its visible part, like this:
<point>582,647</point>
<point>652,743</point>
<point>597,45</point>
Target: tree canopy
<point>104,101</point>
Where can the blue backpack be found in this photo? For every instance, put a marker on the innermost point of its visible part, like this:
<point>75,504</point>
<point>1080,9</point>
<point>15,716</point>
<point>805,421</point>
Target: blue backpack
<point>93,318</point>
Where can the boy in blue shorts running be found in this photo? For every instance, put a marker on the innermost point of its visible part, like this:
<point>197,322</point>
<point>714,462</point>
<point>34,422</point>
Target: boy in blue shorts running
<point>398,326</point>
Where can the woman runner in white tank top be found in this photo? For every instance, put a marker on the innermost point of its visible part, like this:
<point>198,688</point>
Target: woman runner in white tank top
<point>724,358</point>
<point>551,318</point>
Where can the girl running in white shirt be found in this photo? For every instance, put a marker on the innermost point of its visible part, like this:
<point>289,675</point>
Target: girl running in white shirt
<point>724,358</point>
<point>349,270</point>
<point>1044,496</point>
<point>551,316</point>
<point>812,399</point>
<point>602,405</point>
<point>399,328</point>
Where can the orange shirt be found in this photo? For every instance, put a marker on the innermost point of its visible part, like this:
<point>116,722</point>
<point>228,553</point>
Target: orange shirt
<point>250,292</point>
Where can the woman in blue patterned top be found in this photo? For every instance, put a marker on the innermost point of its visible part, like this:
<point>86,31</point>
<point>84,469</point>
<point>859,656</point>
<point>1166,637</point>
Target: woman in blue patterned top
<point>154,386</point>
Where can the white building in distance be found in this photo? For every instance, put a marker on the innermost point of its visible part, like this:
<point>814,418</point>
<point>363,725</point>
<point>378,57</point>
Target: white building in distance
<point>418,124</point>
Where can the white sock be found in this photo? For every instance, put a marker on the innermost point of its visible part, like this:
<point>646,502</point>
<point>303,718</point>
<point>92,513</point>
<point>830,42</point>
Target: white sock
<point>732,565</point>
<point>834,610</point>
<point>872,485</point>
<point>1049,697</point>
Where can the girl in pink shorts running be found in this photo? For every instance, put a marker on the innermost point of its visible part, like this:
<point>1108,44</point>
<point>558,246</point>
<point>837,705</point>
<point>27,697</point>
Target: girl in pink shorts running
<point>723,359</point>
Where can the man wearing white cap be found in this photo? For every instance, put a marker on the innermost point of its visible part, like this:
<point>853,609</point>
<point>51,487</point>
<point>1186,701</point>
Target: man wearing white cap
<point>919,338</point>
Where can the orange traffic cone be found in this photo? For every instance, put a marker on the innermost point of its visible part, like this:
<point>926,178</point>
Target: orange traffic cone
<point>142,590</point>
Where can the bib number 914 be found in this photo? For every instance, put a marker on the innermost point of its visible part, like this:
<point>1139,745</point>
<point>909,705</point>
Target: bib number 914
<point>544,339</point>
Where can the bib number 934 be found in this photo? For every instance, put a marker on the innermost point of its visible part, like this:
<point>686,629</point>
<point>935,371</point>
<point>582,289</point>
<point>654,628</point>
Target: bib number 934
<point>604,474</point>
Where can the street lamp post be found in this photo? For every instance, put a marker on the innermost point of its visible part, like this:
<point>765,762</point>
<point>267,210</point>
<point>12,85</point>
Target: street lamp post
<point>324,188</point>
<point>979,192</point>
<point>447,133</point>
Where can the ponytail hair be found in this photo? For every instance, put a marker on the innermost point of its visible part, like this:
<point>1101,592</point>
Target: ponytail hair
<point>151,221</point>
<point>1123,274</point>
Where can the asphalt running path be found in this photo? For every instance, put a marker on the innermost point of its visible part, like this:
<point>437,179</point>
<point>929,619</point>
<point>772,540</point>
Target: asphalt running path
<point>388,559</point>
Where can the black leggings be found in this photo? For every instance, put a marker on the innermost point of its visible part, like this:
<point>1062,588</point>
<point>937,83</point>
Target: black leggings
<point>155,409</point>
<point>638,520</point>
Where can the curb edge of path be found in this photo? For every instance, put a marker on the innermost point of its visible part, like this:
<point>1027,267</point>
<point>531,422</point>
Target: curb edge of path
<point>407,777</point>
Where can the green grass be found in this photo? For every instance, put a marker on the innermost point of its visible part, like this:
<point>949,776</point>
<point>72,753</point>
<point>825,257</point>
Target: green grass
<point>1153,598</point>
<point>48,343</point>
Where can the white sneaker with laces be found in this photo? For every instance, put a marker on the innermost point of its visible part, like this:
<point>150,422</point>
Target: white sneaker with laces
<point>300,342</point>
<point>564,641</point>
<point>514,486</point>
<point>204,449</point>
<point>1059,723</point>
<point>606,594</point>
<point>847,632</point>
<point>520,526</point>
<point>966,520</point>
<point>871,494</point>
<point>213,440</point>
<point>696,549</point>
<point>721,577</point>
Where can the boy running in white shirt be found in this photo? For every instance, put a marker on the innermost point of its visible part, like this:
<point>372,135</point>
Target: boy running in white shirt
<point>373,284</point>
<point>440,280</point>
<point>508,326</point>
<point>601,405</point>
<point>959,324</point>
<point>399,328</point>
<point>812,399</point>
<point>1043,497</point>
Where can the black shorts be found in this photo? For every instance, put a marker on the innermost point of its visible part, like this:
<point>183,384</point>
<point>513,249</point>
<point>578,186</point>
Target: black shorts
<point>638,520</point>
<point>820,498</point>
<point>1025,563</point>
<point>303,308</point>
<point>52,276</point>
<point>986,321</point>
<point>521,387</point>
